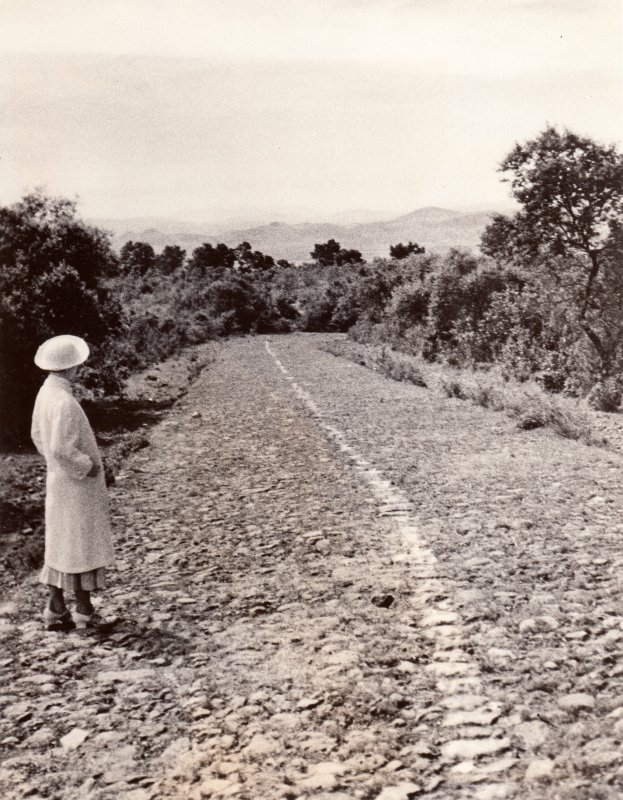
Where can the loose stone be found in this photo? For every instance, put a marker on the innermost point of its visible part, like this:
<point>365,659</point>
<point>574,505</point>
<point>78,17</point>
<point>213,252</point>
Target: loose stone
<point>470,718</point>
<point>533,733</point>
<point>402,791</point>
<point>464,701</point>
<point>74,739</point>
<point>261,745</point>
<point>437,617</point>
<point>473,748</point>
<point>576,701</point>
<point>539,768</point>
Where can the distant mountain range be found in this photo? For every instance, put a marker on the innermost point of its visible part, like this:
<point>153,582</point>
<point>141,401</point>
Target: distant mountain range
<point>437,229</point>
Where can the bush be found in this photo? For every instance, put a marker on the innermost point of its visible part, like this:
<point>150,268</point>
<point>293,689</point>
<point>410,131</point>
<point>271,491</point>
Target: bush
<point>52,273</point>
<point>452,387</point>
<point>532,407</point>
<point>470,312</point>
<point>409,306</point>
<point>319,309</point>
<point>607,395</point>
<point>399,369</point>
<point>236,305</point>
<point>540,411</point>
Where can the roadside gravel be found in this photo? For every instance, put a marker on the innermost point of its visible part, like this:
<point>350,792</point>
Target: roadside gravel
<point>295,626</point>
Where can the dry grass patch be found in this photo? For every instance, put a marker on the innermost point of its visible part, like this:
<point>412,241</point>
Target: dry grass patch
<point>380,359</point>
<point>400,369</point>
<point>528,403</point>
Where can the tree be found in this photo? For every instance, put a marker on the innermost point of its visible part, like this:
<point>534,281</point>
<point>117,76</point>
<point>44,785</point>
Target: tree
<point>325,254</point>
<point>570,187</point>
<point>137,258</point>
<point>211,261</point>
<point>171,259</point>
<point>236,304</point>
<point>507,239</point>
<point>571,192</point>
<point>52,268</point>
<point>400,250</point>
<point>331,253</point>
<point>40,231</point>
<point>349,257</point>
<point>253,261</point>
<point>374,288</point>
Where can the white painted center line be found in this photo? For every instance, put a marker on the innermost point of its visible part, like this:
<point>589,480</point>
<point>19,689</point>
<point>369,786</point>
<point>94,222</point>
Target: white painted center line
<point>469,712</point>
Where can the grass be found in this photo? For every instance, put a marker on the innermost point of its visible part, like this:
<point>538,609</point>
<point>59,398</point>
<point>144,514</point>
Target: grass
<point>386,362</point>
<point>399,369</point>
<point>527,403</point>
<point>530,405</point>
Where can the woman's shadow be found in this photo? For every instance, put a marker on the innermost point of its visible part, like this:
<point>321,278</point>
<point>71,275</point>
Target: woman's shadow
<point>148,640</point>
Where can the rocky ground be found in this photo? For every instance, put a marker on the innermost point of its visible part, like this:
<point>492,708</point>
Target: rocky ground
<point>332,585</point>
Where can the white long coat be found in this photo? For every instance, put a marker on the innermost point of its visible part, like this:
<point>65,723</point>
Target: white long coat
<point>78,537</point>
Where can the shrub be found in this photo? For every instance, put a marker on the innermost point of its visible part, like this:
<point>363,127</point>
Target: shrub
<point>362,331</point>
<point>540,411</point>
<point>452,387</point>
<point>319,310</point>
<point>606,395</point>
<point>532,407</point>
<point>399,369</point>
<point>52,272</point>
<point>409,305</point>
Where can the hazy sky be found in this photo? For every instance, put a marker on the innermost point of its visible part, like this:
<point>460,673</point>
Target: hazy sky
<point>180,107</point>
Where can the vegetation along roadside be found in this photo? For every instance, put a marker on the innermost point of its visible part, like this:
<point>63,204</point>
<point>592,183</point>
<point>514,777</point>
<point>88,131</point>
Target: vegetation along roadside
<point>526,402</point>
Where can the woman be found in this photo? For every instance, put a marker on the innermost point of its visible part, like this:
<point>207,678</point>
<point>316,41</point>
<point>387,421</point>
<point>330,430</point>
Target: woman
<point>78,539</point>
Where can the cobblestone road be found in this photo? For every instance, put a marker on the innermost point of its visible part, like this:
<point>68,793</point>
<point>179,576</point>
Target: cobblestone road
<point>335,586</point>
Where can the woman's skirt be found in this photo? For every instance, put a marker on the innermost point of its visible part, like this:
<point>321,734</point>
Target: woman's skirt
<point>70,581</point>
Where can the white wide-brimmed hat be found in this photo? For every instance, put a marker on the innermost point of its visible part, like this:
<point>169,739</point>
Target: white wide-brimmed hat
<point>62,352</point>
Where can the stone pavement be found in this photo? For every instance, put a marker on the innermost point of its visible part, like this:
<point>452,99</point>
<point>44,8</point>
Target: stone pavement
<point>334,586</point>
